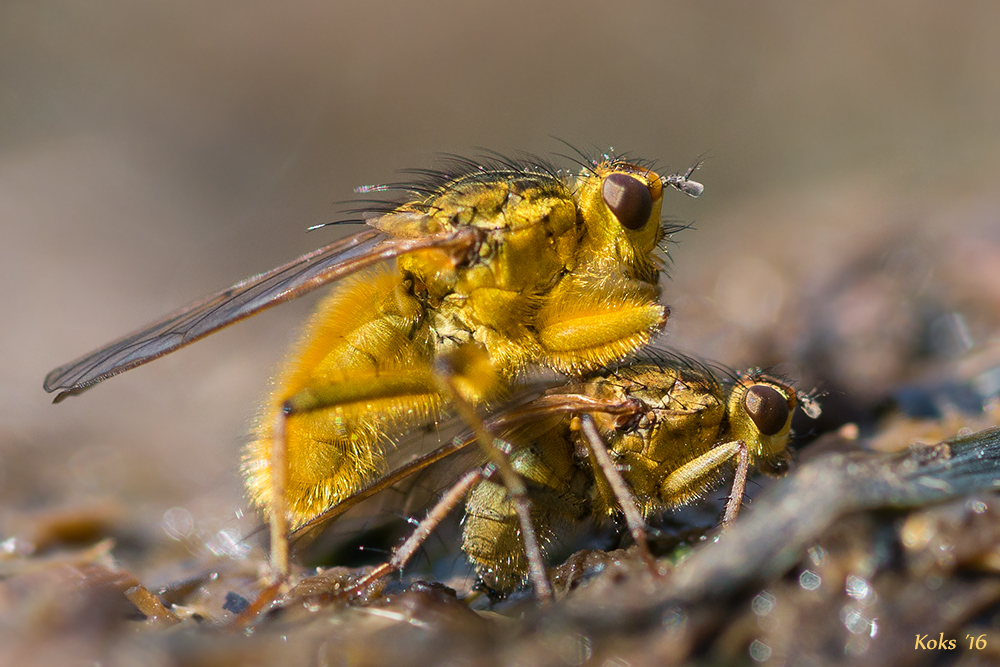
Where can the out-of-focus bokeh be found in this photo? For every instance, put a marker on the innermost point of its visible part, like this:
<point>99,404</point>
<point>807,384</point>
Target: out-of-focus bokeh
<point>151,153</point>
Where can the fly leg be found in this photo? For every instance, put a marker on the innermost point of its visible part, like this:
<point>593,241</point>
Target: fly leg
<point>278,528</point>
<point>448,374</point>
<point>739,484</point>
<point>634,519</point>
<point>278,521</point>
<point>695,476</point>
<point>589,323</point>
<point>402,554</point>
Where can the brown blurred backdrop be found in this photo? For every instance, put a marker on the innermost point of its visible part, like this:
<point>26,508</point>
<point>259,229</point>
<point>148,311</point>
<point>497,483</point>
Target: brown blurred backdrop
<point>151,153</point>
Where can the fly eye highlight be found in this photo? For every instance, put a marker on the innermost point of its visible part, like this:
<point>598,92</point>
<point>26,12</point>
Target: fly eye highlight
<point>629,199</point>
<point>767,408</point>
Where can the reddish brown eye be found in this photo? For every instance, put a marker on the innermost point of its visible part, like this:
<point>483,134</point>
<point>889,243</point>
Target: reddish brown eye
<point>629,199</point>
<point>767,408</point>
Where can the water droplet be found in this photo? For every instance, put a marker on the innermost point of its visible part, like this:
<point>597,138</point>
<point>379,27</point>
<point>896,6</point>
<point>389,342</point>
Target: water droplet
<point>809,580</point>
<point>763,603</point>
<point>858,588</point>
<point>760,651</point>
<point>178,523</point>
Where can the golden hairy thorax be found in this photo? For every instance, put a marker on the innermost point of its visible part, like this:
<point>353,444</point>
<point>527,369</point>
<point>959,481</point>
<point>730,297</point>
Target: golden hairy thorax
<point>563,276</point>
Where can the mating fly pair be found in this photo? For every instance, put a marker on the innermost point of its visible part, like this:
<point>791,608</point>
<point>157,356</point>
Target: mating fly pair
<point>480,273</point>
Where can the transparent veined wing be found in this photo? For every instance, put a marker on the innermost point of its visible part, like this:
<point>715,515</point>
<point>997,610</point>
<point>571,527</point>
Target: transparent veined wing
<point>246,298</point>
<point>523,412</point>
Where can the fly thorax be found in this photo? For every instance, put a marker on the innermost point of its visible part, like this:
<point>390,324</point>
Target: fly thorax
<point>447,326</point>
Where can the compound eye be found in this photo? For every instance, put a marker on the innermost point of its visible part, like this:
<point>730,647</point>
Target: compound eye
<point>629,199</point>
<point>767,408</point>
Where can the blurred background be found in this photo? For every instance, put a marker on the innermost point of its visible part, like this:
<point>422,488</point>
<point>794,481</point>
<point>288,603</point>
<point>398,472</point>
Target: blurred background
<point>152,153</point>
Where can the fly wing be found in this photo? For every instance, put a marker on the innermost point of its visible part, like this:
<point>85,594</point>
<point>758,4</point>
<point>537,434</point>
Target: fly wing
<point>439,468</point>
<point>242,300</point>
